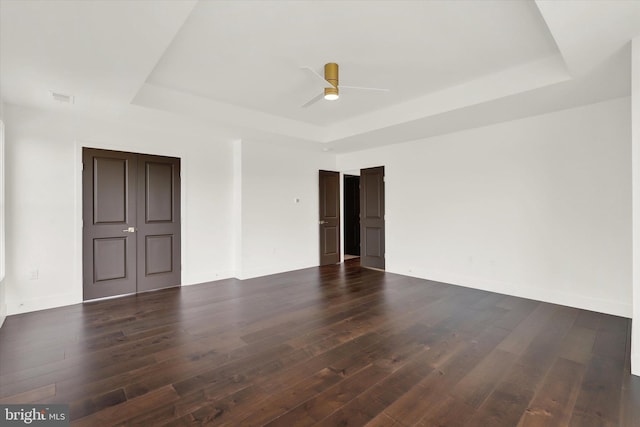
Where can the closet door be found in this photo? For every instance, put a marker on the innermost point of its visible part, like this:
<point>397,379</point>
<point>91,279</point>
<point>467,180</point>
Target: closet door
<point>109,220</point>
<point>131,223</point>
<point>158,222</point>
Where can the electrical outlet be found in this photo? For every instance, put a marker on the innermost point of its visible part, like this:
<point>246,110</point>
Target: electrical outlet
<point>34,274</point>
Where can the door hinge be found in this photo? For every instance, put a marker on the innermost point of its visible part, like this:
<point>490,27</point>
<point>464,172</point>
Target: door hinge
<point>82,167</point>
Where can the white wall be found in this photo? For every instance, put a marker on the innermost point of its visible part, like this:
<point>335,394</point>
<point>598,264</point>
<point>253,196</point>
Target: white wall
<point>538,207</point>
<point>43,197</point>
<point>240,218</point>
<point>279,234</point>
<point>3,305</point>
<point>635,114</point>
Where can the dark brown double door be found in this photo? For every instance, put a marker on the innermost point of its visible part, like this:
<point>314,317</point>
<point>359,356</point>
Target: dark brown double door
<point>372,220</point>
<point>131,222</point>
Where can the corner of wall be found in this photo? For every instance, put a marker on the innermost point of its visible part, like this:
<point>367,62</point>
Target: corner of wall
<point>635,364</point>
<point>236,209</point>
<point>635,170</point>
<point>3,305</point>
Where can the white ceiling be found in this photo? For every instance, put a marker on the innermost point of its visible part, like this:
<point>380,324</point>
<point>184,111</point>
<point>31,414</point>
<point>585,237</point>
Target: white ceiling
<point>236,64</point>
<point>99,51</point>
<point>249,53</point>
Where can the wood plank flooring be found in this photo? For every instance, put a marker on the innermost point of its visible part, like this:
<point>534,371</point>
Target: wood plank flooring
<point>328,346</point>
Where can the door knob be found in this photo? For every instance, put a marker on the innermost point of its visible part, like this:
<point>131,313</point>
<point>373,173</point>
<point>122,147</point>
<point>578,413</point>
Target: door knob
<point>324,222</point>
<point>129,230</point>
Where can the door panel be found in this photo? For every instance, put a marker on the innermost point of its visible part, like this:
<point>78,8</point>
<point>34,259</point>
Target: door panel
<point>159,191</point>
<point>110,197</point>
<point>373,240</point>
<point>372,227</point>
<point>110,258</point>
<point>373,201</point>
<point>109,252</point>
<point>159,254</point>
<point>330,242</point>
<point>329,183</point>
<point>159,231</point>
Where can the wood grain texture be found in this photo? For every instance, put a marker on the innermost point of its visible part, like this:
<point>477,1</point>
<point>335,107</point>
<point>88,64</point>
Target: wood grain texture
<point>334,345</point>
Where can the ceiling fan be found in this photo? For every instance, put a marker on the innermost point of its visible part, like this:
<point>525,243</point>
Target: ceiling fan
<point>332,92</point>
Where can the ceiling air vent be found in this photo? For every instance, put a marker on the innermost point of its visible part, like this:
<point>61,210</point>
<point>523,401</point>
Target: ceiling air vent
<point>61,97</point>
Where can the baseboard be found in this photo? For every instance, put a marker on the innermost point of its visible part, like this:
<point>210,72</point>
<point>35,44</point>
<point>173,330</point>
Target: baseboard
<point>3,305</point>
<point>261,272</point>
<point>3,313</point>
<point>55,301</point>
<point>635,364</point>
<point>207,277</point>
<point>554,297</point>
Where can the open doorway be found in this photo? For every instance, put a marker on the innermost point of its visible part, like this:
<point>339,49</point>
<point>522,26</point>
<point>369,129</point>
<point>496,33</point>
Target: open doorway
<point>351,217</point>
<point>363,203</point>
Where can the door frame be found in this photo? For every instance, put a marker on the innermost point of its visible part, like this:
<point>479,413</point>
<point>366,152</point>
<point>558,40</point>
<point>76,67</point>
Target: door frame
<point>76,296</point>
<point>356,171</point>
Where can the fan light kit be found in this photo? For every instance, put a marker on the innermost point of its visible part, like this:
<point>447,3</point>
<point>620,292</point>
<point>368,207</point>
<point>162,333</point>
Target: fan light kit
<point>332,92</point>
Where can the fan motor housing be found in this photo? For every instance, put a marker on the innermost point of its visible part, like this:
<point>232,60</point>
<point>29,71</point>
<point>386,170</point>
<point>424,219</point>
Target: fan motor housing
<point>331,73</point>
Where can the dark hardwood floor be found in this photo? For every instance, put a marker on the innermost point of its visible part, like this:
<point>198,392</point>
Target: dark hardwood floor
<point>330,346</point>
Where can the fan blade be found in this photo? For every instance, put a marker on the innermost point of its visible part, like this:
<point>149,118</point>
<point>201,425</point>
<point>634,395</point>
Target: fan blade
<point>315,73</point>
<point>313,100</point>
<point>363,88</point>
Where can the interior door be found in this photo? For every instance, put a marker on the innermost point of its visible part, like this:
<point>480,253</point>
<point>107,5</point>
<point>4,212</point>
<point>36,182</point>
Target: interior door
<point>131,223</point>
<point>109,210</point>
<point>158,227</point>
<point>372,229</point>
<point>329,217</point>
